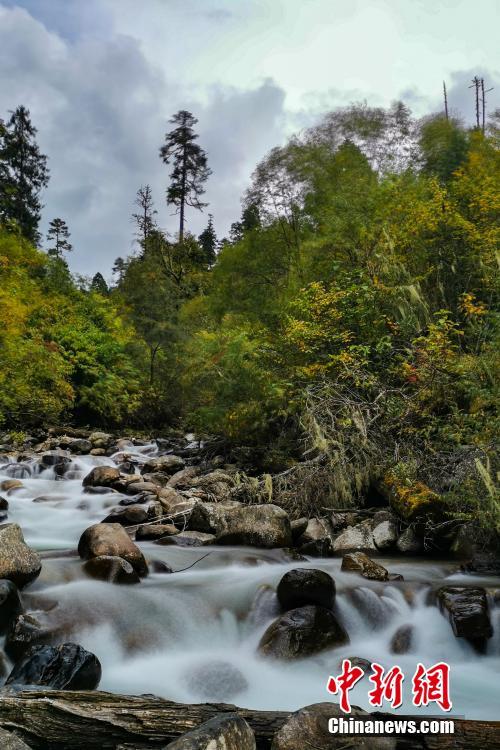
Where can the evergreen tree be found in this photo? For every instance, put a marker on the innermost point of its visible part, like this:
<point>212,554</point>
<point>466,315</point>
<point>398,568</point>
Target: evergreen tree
<point>119,269</point>
<point>144,218</point>
<point>23,174</point>
<point>208,242</point>
<point>190,170</point>
<point>58,234</point>
<point>98,284</point>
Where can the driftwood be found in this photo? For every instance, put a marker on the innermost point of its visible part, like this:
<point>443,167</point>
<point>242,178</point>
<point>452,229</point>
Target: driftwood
<point>64,720</point>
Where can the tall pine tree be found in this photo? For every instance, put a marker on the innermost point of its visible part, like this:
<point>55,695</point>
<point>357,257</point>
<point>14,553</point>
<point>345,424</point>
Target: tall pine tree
<point>23,174</point>
<point>58,235</point>
<point>145,217</point>
<point>208,242</point>
<point>190,170</point>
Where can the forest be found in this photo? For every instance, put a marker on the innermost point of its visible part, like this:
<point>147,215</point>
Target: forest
<point>344,334</point>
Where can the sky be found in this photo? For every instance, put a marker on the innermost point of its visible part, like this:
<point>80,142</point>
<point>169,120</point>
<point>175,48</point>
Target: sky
<point>103,77</point>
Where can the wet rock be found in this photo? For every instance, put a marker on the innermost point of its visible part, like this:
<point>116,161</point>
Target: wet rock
<point>264,526</point>
<point>357,537</point>
<point>111,539</point>
<point>80,446</point>
<point>158,566</point>
<point>138,488</point>
<point>211,518</point>
<point>18,471</point>
<point>308,728</point>
<point>187,539</point>
<point>18,562</point>
<point>216,681</point>
<point>395,577</point>
<point>358,562</point>
<point>317,548</point>
<point>10,484</point>
<point>483,564</point>
<point>102,476</point>
<point>409,543</point>
<point>302,586</point>
<point>10,604</point>
<point>10,741</point>
<point>224,732</point>
<point>358,661</point>
<point>165,464</point>
<point>290,554</point>
<point>4,504</point>
<point>26,631</point>
<point>401,641</point>
<point>467,610</point>
<point>111,569</point>
<point>299,527</point>
<point>302,632</point>
<point>155,531</point>
<point>58,460</point>
<point>98,452</point>
<point>65,667</point>
<point>385,535</point>
<point>129,516</point>
<point>4,668</point>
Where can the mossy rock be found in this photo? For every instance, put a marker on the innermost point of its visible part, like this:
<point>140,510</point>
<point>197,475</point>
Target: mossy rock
<point>413,500</point>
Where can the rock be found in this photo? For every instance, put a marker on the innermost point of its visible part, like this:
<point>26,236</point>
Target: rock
<point>100,439</point>
<point>301,586</point>
<point>98,452</point>
<point>59,460</point>
<point>298,527</point>
<point>10,484</point>
<point>317,548</point>
<point>316,530</point>
<point>385,535</point>
<point>467,610</point>
<point>483,563</point>
<point>358,562</point>
<point>129,516</point>
<point>216,681</point>
<point>158,566</point>
<point>188,539</point>
<point>166,464</point>
<point>211,518</point>
<point>4,504</point>
<point>395,577</point>
<point>18,562</point>
<point>10,604</point>
<point>358,661</point>
<point>65,667</point>
<point>137,488</point>
<point>402,639</point>
<point>302,632</point>
<point>216,485</point>
<point>223,732</point>
<point>9,741</point>
<point>111,569</point>
<point>80,446</point>
<point>155,531</point>
<point>102,476</point>
<point>183,479</point>
<point>25,631</point>
<point>111,539</point>
<point>408,542</point>
<point>357,537</point>
<point>307,729</point>
<point>264,606</point>
<point>264,526</point>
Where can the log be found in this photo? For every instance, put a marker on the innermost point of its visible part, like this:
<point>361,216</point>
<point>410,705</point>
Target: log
<point>94,720</point>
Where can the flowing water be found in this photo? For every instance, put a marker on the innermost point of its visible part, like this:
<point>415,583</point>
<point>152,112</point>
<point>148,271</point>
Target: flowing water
<point>192,636</point>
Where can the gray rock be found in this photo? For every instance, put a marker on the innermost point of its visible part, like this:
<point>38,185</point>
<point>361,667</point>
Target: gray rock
<point>111,569</point>
<point>166,464</point>
<point>65,667</point>
<point>80,446</point>
<point>302,632</point>
<point>187,539</point>
<point>155,531</point>
<point>467,610</point>
<point>299,527</point>
<point>59,460</point>
<point>224,732</point>
<point>18,562</point>
<point>385,535</point>
<point>409,543</point>
<point>102,476</point>
<point>264,526</point>
<point>358,562</point>
<point>100,440</point>
<point>111,539</point>
<point>10,604</point>
<point>216,681</point>
<point>211,518</point>
<point>357,537</point>
<point>401,641</point>
<point>128,516</point>
<point>303,586</point>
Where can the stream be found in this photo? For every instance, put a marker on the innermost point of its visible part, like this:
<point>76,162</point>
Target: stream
<point>192,637</point>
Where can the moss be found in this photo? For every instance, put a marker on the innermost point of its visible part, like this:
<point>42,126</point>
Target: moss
<point>413,499</point>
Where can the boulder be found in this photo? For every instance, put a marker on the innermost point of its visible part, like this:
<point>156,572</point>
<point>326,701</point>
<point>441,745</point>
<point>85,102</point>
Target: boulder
<point>182,479</point>
<point>298,527</point>
<point>317,529</point>
<point>102,476</point>
<point>111,569</point>
<point>265,526</point>
<point>483,564</point>
<point>59,460</point>
<point>165,464</point>
<point>10,484</point>
<point>302,632</point>
<point>302,586</point>
<point>4,504</point>
<point>10,604</point>
<point>307,729</point>
<point>215,681</point>
<point>409,543</point>
<point>139,487</point>
<point>385,535</point>
<point>155,531</point>
<point>111,539</point>
<point>131,515</point>
<point>80,446</point>
<point>100,440</point>
<point>467,610</point>
<point>25,631</point>
<point>158,566</point>
<point>18,562</point>
<point>98,452</point>
<point>358,562</point>
<point>357,537</point>
<point>317,548</point>
<point>223,732</point>
<point>187,539</point>
<point>64,667</point>
<point>211,518</point>
<point>9,741</point>
<point>215,485</point>
<point>401,641</point>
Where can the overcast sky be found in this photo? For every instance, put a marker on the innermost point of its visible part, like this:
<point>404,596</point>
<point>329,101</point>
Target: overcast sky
<point>102,77</point>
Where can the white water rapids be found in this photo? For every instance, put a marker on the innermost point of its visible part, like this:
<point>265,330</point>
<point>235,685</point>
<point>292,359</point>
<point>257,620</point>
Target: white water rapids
<point>192,636</point>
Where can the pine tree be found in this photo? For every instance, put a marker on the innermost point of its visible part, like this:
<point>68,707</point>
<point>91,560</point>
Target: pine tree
<point>98,284</point>
<point>58,234</point>
<point>190,170</point>
<point>208,242</point>
<point>23,174</point>
<point>119,269</point>
<point>145,218</point>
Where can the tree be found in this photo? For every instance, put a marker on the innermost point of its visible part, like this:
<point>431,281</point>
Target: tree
<point>23,174</point>
<point>145,218</point>
<point>190,170</point>
<point>99,285</point>
<point>58,234</point>
<point>208,242</point>
<point>119,268</point>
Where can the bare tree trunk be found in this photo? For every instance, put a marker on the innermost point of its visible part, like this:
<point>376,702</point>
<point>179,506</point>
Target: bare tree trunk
<point>445,101</point>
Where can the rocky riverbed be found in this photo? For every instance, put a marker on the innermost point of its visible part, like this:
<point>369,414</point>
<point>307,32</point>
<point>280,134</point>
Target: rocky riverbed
<point>154,567</point>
